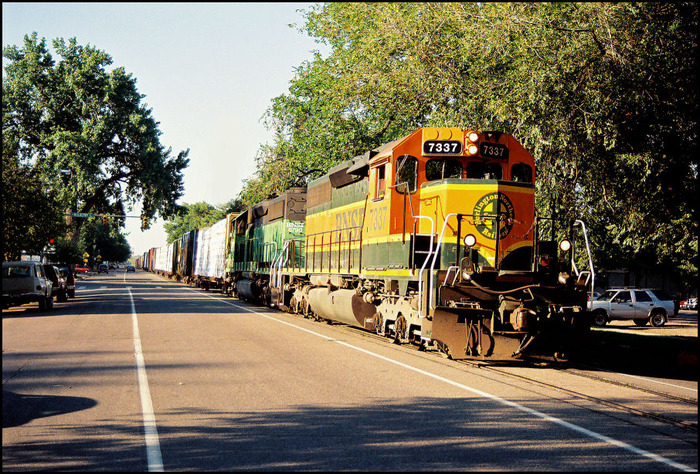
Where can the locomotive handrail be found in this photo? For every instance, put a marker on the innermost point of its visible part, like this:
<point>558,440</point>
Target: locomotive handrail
<point>279,263</point>
<point>590,259</point>
<point>427,257</point>
<point>425,262</point>
<point>331,243</point>
<point>262,249</point>
<point>432,265</point>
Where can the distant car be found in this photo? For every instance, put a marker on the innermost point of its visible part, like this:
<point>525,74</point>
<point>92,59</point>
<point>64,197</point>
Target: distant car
<point>69,276</point>
<point>81,269</point>
<point>103,268</point>
<point>25,282</point>
<point>692,303</point>
<point>130,268</point>
<point>59,289</point>
<point>640,305</point>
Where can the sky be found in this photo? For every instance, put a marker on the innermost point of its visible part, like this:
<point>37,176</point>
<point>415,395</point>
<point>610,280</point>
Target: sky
<point>208,71</point>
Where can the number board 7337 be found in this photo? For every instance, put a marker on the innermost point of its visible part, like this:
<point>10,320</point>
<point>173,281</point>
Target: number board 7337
<point>442,147</point>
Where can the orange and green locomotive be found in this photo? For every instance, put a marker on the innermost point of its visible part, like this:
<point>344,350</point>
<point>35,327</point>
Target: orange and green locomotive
<point>431,239</point>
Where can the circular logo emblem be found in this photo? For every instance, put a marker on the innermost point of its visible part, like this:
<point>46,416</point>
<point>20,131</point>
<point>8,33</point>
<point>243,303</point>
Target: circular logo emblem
<point>494,211</point>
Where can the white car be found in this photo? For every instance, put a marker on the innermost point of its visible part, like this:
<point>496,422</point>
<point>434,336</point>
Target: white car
<point>639,305</point>
<point>24,282</point>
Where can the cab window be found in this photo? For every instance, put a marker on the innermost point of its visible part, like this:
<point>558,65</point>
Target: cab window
<point>443,169</point>
<point>381,182</point>
<point>406,174</point>
<point>484,170</point>
<point>521,172</point>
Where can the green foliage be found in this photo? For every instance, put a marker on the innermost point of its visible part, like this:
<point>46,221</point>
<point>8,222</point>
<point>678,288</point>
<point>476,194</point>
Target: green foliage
<point>66,252</point>
<point>103,241</point>
<point>76,115</point>
<point>199,216</point>
<point>30,215</point>
<point>603,94</point>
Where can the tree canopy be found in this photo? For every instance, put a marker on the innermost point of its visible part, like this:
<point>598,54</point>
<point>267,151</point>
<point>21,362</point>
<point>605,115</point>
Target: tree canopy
<point>198,216</point>
<point>78,115</point>
<point>603,94</point>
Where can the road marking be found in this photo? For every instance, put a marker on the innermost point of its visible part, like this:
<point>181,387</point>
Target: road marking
<point>502,401</point>
<point>153,455</point>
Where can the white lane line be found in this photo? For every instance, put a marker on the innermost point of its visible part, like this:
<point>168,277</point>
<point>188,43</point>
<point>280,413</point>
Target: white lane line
<point>560,422</point>
<point>153,455</point>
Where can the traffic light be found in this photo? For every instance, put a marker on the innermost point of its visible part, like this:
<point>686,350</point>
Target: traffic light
<point>104,220</point>
<point>144,222</point>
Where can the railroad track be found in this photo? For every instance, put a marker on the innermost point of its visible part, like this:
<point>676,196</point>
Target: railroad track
<point>682,424</point>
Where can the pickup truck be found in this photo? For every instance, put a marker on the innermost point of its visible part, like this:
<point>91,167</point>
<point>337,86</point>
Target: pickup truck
<point>25,282</point>
<point>640,305</point>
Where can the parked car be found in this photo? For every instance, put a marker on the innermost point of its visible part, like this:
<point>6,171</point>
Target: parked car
<point>58,287</point>
<point>81,269</point>
<point>130,268</point>
<point>69,276</point>
<point>692,303</point>
<point>25,282</point>
<point>640,305</point>
<point>103,268</point>
<point>592,296</point>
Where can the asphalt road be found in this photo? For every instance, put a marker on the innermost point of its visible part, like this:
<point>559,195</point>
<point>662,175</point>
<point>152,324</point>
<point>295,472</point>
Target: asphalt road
<point>139,373</point>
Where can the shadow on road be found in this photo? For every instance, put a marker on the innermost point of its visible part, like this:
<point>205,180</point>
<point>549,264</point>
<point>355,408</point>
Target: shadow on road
<point>18,409</point>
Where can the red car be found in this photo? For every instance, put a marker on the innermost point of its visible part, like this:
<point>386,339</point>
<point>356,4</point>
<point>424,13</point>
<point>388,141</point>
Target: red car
<point>79,269</point>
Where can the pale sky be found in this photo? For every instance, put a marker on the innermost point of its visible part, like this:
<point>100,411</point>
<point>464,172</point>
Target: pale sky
<point>208,71</point>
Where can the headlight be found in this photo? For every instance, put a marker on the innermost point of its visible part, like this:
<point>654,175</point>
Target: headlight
<point>469,240</point>
<point>471,143</point>
<point>565,245</point>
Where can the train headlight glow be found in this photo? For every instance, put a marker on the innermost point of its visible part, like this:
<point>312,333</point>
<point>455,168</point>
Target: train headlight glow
<point>470,145</point>
<point>565,245</point>
<point>469,240</point>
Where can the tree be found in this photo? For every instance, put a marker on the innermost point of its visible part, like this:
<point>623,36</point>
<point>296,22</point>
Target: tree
<point>104,241</point>
<point>30,214</point>
<point>199,216</point>
<point>603,94</point>
<point>76,115</point>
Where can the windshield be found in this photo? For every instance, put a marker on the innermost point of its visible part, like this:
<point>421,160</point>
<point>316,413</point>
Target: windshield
<point>16,272</point>
<point>607,296</point>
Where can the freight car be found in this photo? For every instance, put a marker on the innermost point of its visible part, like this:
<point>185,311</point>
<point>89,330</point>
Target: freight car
<point>208,255</point>
<point>431,239</point>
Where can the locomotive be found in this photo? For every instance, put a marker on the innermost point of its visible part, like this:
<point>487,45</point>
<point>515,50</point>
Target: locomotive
<point>431,239</point>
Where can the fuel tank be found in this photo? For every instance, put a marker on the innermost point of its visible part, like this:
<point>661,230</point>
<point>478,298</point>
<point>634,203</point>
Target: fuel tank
<point>343,305</point>
<point>247,290</point>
